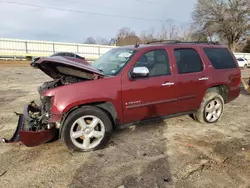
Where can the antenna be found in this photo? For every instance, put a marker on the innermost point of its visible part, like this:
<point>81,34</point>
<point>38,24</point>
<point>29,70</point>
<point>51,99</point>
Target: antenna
<point>137,45</point>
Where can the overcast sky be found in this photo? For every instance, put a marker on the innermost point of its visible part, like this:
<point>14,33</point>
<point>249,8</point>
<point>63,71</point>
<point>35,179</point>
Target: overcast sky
<point>40,23</point>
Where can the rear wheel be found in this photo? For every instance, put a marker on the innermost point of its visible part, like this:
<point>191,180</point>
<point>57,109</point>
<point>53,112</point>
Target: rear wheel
<point>211,108</point>
<point>245,66</point>
<point>87,128</point>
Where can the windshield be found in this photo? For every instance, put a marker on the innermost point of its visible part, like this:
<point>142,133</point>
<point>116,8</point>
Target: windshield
<point>113,61</point>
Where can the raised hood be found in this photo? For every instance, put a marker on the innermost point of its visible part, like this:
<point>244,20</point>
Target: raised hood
<point>56,67</point>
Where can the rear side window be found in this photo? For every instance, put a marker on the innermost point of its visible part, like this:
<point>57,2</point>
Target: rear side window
<point>188,61</point>
<point>220,58</point>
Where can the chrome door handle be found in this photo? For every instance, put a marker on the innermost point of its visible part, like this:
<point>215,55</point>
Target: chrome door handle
<point>203,78</point>
<point>168,84</point>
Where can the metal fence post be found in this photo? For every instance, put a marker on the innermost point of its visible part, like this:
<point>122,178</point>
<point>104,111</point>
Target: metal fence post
<point>53,47</point>
<point>99,51</point>
<point>26,47</point>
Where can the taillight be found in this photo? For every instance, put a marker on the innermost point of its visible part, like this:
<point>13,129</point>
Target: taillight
<point>238,81</point>
<point>235,81</point>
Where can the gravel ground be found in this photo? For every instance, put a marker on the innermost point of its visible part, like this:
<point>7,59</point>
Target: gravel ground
<point>177,152</point>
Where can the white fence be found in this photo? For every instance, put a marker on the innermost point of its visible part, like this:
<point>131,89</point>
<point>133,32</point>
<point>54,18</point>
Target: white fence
<point>29,48</point>
<point>15,48</point>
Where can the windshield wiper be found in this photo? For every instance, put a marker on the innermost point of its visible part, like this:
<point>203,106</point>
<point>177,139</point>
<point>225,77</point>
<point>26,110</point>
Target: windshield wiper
<point>100,70</point>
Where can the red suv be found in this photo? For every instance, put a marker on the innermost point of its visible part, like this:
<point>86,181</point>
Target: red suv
<point>125,86</point>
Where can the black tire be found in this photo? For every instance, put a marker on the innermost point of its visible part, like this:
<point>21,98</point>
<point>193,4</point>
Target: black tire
<point>200,115</point>
<point>83,111</point>
<point>245,66</point>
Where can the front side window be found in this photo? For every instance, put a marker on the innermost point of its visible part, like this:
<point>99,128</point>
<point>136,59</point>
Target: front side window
<point>156,61</point>
<point>188,61</point>
<point>112,62</point>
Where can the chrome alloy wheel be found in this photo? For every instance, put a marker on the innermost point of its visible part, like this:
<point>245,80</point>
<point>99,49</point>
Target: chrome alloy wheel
<point>213,110</point>
<point>87,132</point>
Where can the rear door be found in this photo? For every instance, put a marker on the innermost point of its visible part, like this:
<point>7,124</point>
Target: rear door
<point>154,96</point>
<point>192,78</point>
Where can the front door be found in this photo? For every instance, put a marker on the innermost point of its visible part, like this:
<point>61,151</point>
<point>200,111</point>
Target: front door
<point>154,96</point>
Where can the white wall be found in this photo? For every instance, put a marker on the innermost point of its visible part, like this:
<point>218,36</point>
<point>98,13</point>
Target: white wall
<point>23,48</point>
<point>16,47</point>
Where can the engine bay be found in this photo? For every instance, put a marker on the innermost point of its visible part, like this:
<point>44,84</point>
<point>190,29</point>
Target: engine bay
<point>64,80</point>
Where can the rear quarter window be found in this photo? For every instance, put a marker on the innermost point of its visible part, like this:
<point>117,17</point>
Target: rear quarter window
<point>220,58</point>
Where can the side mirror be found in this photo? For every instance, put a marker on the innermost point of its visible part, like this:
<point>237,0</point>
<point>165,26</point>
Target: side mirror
<point>139,72</point>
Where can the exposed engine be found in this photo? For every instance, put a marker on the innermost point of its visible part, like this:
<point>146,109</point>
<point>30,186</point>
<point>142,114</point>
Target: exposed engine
<point>39,114</point>
<point>35,120</point>
<point>65,80</point>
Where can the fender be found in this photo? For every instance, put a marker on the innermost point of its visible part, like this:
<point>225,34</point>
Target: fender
<point>108,107</point>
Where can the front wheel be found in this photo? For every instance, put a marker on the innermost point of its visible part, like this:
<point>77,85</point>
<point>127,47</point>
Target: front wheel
<point>87,128</point>
<point>211,108</point>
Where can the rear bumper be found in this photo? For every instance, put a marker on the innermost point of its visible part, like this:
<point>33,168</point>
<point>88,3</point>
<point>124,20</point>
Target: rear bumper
<point>27,137</point>
<point>233,94</point>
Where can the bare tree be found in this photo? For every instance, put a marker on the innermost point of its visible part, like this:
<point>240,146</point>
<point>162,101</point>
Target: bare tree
<point>199,36</point>
<point>126,36</point>
<point>90,40</point>
<point>169,31</point>
<point>227,19</point>
<point>246,49</point>
<point>187,33</point>
<point>125,32</point>
<point>147,36</point>
<point>102,41</point>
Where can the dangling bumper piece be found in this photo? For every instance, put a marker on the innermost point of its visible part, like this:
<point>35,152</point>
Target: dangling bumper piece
<point>31,136</point>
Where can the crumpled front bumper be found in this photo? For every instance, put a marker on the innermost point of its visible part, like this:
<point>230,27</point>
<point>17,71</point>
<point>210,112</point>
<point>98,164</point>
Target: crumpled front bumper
<point>29,138</point>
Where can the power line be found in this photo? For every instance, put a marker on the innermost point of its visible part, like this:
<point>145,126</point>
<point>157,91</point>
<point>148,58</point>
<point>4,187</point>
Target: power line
<point>96,5</point>
<point>84,12</point>
<point>149,2</point>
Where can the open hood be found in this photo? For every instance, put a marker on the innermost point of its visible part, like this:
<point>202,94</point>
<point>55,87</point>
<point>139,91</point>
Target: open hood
<point>56,67</point>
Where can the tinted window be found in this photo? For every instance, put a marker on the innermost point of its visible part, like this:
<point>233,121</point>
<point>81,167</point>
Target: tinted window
<point>79,57</point>
<point>156,61</point>
<point>188,61</point>
<point>220,58</point>
<point>60,54</point>
<point>69,54</point>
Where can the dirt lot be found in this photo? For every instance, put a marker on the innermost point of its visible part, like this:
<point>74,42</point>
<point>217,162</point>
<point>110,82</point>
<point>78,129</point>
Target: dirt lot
<point>175,153</point>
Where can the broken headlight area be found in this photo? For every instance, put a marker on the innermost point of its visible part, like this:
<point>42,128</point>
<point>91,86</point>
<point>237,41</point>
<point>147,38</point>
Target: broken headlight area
<point>33,128</point>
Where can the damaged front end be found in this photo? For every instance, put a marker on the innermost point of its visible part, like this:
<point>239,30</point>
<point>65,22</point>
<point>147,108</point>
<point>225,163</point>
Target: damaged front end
<point>39,124</point>
<point>33,128</point>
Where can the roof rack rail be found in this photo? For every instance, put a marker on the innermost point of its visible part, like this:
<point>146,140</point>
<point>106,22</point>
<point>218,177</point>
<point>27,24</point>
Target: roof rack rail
<point>182,42</point>
<point>199,42</point>
<point>163,41</point>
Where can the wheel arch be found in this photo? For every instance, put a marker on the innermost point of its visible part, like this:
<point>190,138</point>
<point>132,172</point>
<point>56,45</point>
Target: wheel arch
<point>222,89</point>
<point>106,106</point>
